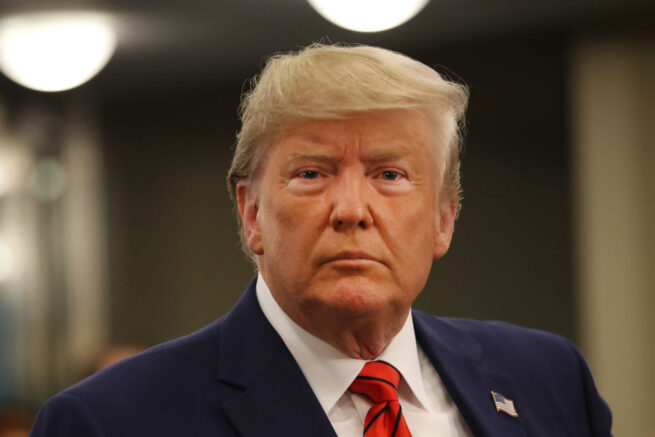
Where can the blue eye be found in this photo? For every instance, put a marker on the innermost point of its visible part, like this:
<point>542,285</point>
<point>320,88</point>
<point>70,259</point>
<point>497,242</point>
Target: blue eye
<point>308,174</point>
<point>390,175</point>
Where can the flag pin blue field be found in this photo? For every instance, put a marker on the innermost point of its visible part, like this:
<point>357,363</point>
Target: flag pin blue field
<point>504,404</point>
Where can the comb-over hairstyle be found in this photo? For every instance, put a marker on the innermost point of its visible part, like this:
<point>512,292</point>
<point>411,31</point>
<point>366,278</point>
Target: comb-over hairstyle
<point>335,81</point>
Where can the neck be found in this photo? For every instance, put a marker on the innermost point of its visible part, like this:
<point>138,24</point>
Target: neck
<point>361,332</point>
<point>361,337</point>
<point>364,342</point>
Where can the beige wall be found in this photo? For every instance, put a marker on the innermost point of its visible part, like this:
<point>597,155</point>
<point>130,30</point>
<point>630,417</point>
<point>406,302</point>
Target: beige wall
<point>613,91</point>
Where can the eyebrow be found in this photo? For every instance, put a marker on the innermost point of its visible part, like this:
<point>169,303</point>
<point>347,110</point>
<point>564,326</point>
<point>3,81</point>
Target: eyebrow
<point>385,155</point>
<point>314,156</point>
<point>373,156</point>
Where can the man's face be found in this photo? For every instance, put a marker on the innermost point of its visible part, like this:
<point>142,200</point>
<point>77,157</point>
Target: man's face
<point>344,216</point>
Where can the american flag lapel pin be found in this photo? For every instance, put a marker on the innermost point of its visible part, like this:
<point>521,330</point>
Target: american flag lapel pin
<point>504,404</point>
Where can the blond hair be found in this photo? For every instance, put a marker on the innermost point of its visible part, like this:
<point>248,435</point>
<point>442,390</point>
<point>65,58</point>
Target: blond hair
<point>336,81</point>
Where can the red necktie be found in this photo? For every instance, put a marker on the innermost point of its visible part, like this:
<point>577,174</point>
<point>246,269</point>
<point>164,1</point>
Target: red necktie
<point>378,381</point>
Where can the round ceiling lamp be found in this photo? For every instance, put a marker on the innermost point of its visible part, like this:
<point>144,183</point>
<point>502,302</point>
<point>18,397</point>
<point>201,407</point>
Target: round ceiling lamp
<point>368,15</point>
<point>55,51</point>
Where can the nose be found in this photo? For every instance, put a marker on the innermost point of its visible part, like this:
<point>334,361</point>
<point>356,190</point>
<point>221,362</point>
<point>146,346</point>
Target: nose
<point>350,200</point>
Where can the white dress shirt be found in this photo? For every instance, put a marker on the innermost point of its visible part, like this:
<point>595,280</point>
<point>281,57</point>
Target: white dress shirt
<point>427,406</point>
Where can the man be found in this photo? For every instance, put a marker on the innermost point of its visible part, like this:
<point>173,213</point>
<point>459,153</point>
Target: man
<point>346,181</point>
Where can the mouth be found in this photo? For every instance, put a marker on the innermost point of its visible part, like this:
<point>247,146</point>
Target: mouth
<point>352,258</point>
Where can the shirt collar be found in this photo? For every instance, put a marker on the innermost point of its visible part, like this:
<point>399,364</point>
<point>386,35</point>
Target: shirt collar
<point>329,371</point>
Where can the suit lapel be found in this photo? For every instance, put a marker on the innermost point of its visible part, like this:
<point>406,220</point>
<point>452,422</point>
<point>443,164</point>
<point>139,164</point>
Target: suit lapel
<point>457,357</point>
<point>276,398</point>
<point>279,402</point>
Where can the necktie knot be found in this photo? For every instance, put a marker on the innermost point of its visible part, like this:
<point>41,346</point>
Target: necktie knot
<point>379,381</point>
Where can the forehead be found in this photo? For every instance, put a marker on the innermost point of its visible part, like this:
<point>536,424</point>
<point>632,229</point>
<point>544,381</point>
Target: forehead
<point>382,134</point>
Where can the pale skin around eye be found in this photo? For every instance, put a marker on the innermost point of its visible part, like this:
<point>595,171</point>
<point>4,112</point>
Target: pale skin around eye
<point>390,180</point>
<point>389,175</point>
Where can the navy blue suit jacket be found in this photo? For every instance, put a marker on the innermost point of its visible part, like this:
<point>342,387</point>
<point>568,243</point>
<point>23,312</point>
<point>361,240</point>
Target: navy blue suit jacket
<point>237,378</point>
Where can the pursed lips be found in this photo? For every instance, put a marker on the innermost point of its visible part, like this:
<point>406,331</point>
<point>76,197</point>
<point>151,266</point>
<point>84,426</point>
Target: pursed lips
<point>354,256</point>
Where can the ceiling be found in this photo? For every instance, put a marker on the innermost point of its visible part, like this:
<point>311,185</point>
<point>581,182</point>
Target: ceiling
<point>167,42</point>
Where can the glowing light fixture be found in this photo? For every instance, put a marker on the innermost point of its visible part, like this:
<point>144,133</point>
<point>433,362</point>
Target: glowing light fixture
<point>55,51</point>
<point>368,15</point>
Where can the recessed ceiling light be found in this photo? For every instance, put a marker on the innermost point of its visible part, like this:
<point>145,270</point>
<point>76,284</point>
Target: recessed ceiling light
<point>368,15</point>
<point>55,51</point>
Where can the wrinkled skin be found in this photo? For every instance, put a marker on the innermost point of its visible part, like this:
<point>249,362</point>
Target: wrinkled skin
<point>345,219</point>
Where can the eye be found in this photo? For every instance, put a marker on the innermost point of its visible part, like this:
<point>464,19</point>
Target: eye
<point>308,174</point>
<point>390,175</point>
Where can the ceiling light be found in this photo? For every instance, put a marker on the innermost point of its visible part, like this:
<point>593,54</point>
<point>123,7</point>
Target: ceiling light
<point>55,51</point>
<point>368,15</point>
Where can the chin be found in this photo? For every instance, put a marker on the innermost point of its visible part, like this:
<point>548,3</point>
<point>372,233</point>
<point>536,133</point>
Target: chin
<point>359,297</point>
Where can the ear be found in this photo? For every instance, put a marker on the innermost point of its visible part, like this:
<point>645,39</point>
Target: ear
<point>445,228</point>
<point>248,203</point>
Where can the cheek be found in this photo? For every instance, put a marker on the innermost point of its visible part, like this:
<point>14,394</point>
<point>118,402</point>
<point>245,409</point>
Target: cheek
<point>418,241</point>
<point>288,224</point>
<point>410,233</point>
<point>412,221</point>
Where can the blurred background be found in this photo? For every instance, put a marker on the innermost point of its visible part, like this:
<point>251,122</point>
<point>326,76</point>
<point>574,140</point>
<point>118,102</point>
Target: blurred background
<point>116,230</point>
